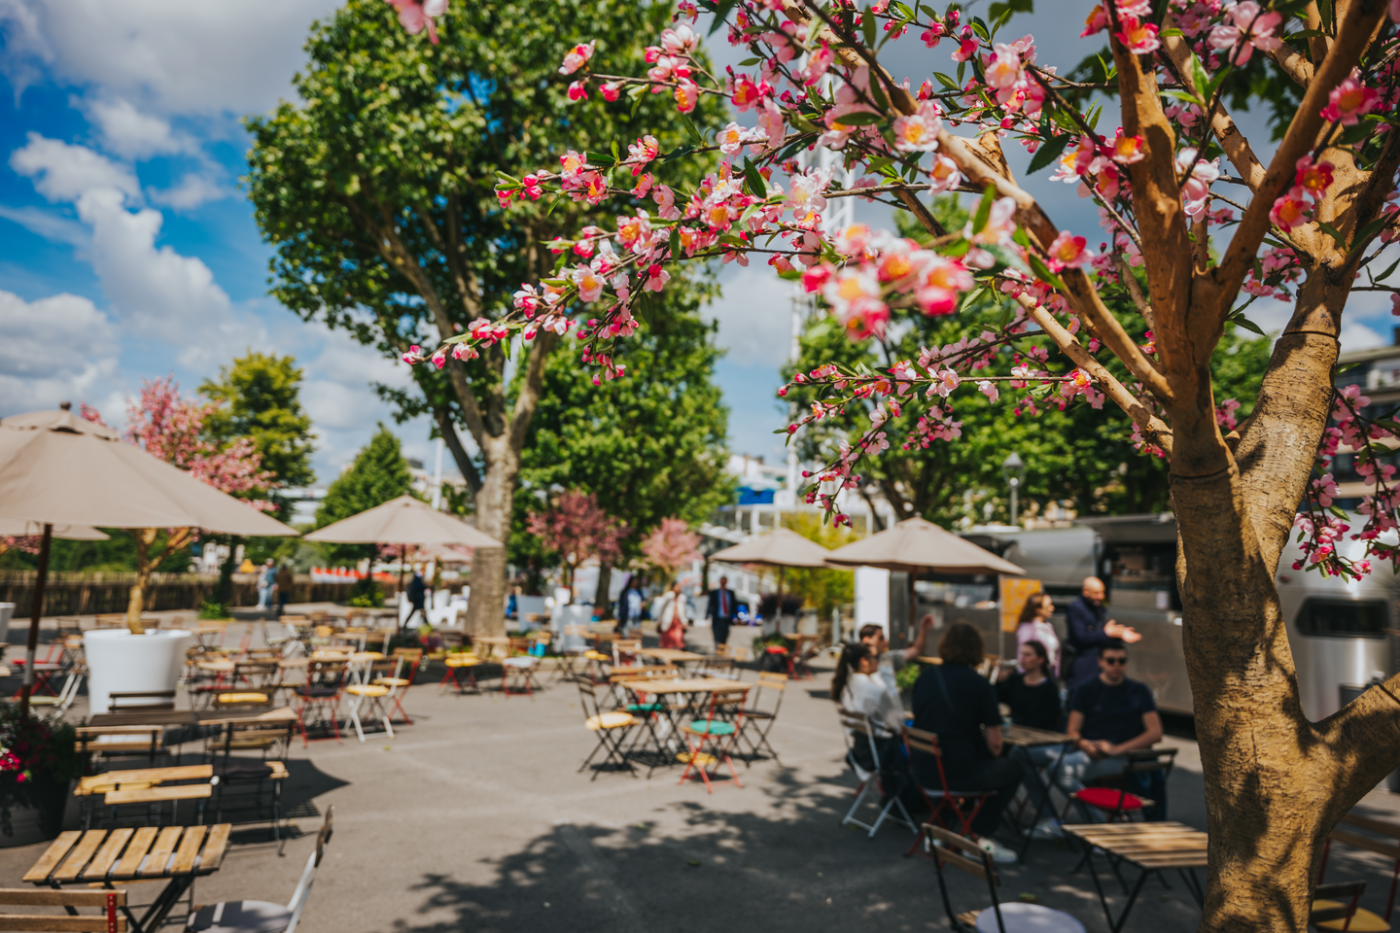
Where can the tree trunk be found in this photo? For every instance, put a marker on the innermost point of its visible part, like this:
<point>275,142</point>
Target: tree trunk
<point>601,603</point>
<point>494,502</point>
<point>225,598</point>
<point>144,537</point>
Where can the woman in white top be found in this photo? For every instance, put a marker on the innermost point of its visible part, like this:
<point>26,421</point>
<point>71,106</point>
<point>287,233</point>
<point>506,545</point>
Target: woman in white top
<point>858,688</point>
<point>672,616</point>
<point>1035,626</point>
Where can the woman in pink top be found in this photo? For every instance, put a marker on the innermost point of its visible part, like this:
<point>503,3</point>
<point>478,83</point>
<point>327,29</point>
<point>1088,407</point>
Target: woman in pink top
<point>672,617</point>
<point>1035,626</point>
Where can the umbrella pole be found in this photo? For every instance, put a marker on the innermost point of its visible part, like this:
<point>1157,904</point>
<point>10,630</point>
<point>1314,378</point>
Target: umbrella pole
<point>38,608</point>
<point>913,610</point>
<point>403,559</point>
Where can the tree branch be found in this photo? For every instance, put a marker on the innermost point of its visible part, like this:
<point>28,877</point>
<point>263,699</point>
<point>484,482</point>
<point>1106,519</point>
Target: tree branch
<point>1236,146</point>
<point>443,416</point>
<point>1151,427</point>
<point>1293,63</point>
<point>1353,37</point>
<point>1125,275</point>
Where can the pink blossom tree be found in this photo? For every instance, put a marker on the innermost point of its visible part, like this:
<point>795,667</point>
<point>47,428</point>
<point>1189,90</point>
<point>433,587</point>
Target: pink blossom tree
<point>575,528</point>
<point>1187,243</point>
<point>169,426</point>
<point>670,546</point>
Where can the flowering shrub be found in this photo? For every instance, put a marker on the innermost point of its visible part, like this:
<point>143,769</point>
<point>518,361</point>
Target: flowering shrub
<point>816,81</point>
<point>37,759</point>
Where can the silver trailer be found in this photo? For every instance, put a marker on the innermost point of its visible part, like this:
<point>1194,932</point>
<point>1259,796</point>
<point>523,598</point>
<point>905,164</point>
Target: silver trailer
<point>1340,632</point>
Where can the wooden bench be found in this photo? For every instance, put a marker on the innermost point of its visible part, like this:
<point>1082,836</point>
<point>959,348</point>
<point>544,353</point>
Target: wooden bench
<point>111,920</point>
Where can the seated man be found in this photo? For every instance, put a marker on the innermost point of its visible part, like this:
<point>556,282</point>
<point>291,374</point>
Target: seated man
<point>959,705</point>
<point>1109,716</point>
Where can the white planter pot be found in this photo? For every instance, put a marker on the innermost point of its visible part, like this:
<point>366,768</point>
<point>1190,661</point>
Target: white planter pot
<point>120,662</point>
<point>6,610</point>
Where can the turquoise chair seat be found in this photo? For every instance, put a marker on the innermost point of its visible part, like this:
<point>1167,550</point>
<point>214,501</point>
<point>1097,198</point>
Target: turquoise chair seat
<point>712,728</point>
<point>646,707</point>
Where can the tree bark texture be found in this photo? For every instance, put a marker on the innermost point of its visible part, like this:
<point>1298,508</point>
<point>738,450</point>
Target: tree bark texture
<point>494,503</point>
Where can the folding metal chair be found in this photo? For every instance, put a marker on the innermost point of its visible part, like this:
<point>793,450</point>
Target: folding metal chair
<point>1115,803</point>
<point>361,691</point>
<point>611,728</point>
<point>758,722</point>
<point>710,739</point>
<point>858,732</point>
<point>949,848</point>
<point>917,741</point>
<point>319,698</point>
<point>399,682</point>
<point>1383,839</point>
<point>455,664</point>
<point>1329,914</point>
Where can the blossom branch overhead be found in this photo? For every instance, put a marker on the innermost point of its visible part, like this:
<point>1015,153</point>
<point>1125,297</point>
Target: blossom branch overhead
<point>812,80</point>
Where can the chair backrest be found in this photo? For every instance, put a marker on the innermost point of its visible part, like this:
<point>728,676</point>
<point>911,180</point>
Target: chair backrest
<point>588,699</point>
<point>722,651</point>
<point>925,743</point>
<point>964,854</point>
<point>149,699</point>
<point>857,730</point>
<point>770,680</point>
<point>111,920</point>
<point>308,876</point>
<point>1348,892</point>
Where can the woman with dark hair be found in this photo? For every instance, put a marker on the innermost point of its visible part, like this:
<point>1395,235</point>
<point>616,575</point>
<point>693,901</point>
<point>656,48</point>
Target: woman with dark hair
<point>1030,692</point>
<point>1035,626</point>
<point>856,687</point>
<point>958,705</point>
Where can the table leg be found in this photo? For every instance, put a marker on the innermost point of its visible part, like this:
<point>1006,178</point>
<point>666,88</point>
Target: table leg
<point>1045,786</point>
<point>156,913</point>
<point>1193,886</point>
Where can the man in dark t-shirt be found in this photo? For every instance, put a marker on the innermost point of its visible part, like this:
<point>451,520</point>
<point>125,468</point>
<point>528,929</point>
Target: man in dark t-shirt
<point>1109,716</point>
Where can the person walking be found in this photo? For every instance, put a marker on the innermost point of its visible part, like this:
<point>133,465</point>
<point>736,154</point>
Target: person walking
<point>1089,630</point>
<point>672,617</point>
<point>417,591</point>
<point>267,578</point>
<point>720,610</point>
<point>285,582</point>
<point>629,607</point>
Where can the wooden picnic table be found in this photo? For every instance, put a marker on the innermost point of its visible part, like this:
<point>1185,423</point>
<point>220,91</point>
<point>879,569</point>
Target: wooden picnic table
<point>109,858</point>
<point>1149,847</point>
<point>188,717</point>
<point>140,777</point>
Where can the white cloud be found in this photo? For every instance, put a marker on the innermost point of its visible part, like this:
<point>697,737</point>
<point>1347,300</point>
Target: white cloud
<point>172,56</point>
<point>46,224</point>
<point>193,190</point>
<point>132,134</point>
<point>755,316</point>
<point>56,348</point>
<point>62,172</point>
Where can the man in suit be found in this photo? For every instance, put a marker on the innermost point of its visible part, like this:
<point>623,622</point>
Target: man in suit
<point>720,609</point>
<point>1090,629</point>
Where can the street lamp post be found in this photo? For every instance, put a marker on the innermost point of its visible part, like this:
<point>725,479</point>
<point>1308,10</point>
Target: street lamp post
<point>1012,469</point>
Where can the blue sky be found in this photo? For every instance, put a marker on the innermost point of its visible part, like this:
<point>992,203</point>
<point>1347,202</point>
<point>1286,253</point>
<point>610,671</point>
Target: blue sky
<point>128,252</point>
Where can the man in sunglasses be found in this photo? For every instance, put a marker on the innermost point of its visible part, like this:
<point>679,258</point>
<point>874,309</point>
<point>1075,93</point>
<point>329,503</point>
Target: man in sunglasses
<point>1109,716</point>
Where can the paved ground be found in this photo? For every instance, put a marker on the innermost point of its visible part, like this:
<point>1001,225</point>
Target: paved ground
<point>475,818</point>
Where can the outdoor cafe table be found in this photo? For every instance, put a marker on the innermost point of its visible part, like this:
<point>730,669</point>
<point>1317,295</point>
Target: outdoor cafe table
<point>1028,738</point>
<point>671,655</point>
<point>97,856</point>
<point>188,717</point>
<point>1149,847</point>
<point>694,691</point>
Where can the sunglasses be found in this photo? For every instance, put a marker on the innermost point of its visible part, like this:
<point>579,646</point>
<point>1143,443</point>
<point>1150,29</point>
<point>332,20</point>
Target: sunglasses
<point>1114,661</point>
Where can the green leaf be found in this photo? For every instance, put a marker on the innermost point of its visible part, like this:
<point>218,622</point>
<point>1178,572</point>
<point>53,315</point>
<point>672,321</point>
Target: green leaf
<point>1248,325</point>
<point>877,91</point>
<point>946,81</point>
<point>867,26</point>
<point>1305,34</point>
<point>1042,271</point>
<point>1199,76</point>
<point>860,118</point>
<point>1334,233</point>
<point>979,28</point>
<point>749,62</point>
<point>1179,94</point>
<point>675,243</point>
<point>1048,152</point>
<point>755,180</point>
<point>616,157</point>
<point>904,10</point>
<point>1170,33</point>
<point>1020,238</point>
<point>1324,9</point>
<point>803,124</point>
<point>984,209</point>
<point>1386,274</point>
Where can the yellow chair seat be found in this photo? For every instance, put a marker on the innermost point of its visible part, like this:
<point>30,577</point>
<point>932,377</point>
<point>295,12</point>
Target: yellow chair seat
<point>1363,921</point>
<point>362,656</point>
<point>392,681</point>
<point>702,760</point>
<point>367,690</point>
<point>461,660</point>
<point>242,698</point>
<point>610,721</point>
<point>597,656</point>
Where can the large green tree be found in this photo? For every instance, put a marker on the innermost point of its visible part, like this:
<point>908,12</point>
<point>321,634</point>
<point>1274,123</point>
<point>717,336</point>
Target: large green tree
<point>376,190</point>
<point>649,447</point>
<point>1075,453</point>
<point>259,396</point>
<point>379,473</point>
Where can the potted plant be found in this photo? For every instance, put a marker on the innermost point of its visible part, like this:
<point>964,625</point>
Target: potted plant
<point>38,760</point>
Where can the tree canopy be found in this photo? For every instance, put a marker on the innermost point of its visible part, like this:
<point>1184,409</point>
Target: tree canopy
<point>259,396</point>
<point>378,474</point>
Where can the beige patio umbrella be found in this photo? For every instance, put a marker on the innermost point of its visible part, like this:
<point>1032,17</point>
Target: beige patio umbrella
<point>407,522</point>
<point>782,547</point>
<point>57,469</point>
<point>13,528</point>
<point>915,545</point>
